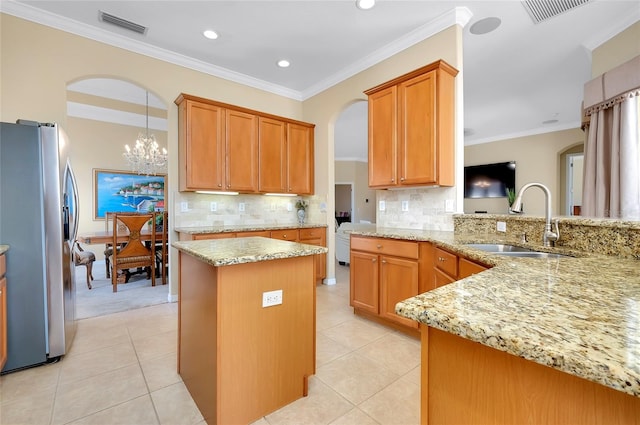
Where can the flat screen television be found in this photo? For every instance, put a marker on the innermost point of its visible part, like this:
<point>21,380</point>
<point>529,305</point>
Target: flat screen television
<point>489,180</point>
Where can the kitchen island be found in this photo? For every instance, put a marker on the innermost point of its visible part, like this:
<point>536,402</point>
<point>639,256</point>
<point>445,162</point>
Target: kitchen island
<point>246,325</point>
<point>532,340</point>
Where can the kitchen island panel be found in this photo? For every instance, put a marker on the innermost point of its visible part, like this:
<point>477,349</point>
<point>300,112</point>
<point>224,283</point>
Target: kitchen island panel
<point>256,359</point>
<point>467,382</point>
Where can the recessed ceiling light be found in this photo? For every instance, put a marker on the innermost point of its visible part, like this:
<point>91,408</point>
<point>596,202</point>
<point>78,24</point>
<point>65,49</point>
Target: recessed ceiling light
<point>484,26</point>
<point>365,4</point>
<point>210,34</point>
<point>283,63</point>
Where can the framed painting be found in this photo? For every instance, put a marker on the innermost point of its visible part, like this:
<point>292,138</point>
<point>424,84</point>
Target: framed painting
<point>124,191</point>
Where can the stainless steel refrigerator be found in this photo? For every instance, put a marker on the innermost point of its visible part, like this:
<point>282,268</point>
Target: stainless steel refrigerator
<point>38,220</point>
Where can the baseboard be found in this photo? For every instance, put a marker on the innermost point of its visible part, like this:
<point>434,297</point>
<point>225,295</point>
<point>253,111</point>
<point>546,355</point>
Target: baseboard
<point>329,281</point>
<point>172,298</point>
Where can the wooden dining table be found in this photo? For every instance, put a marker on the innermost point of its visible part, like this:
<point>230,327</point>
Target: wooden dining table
<point>106,237</point>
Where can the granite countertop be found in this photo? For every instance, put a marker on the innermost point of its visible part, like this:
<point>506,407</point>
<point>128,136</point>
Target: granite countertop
<point>244,228</point>
<point>580,314</point>
<point>226,252</point>
<point>3,249</point>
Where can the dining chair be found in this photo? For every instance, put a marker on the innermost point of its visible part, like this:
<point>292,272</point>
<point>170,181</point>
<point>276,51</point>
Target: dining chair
<point>84,258</point>
<point>108,248</point>
<point>133,253</point>
<point>162,248</point>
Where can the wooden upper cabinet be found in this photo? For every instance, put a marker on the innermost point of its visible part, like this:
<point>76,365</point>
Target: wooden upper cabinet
<point>411,129</point>
<point>272,155</point>
<point>383,137</point>
<point>201,146</point>
<point>241,143</point>
<point>228,148</point>
<point>300,162</point>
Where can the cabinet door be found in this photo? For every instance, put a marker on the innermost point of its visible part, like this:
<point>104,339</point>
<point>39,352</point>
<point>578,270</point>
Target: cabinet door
<point>466,268</point>
<point>201,146</point>
<point>242,151</point>
<point>417,132</point>
<point>440,278</point>
<point>300,163</point>
<point>383,138</point>
<point>272,156</point>
<point>398,281</point>
<point>3,321</point>
<point>316,236</point>
<point>364,281</point>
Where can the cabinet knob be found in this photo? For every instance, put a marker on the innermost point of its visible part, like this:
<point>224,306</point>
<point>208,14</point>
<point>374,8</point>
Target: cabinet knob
<point>442,259</point>
<point>384,261</point>
<point>219,184</point>
<point>392,180</point>
<point>379,246</point>
<point>401,179</point>
<point>373,260</point>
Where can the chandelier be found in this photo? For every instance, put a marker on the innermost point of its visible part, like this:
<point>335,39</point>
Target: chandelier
<point>146,156</point>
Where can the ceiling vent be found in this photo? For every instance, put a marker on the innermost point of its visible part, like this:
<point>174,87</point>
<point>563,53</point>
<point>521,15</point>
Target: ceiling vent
<point>541,10</point>
<point>122,23</point>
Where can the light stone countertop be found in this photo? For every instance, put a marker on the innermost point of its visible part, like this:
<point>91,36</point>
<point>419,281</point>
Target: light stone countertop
<point>579,315</point>
<point>226,252</point>
<point>244,228</point>
<point>3,249</point>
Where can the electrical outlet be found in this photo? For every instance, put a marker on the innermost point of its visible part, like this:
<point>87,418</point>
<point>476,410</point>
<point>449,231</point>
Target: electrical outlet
<point>501,226</point>
<point>241,206</point>
<point>184,206</point>
<point>448,205</point>
<point>381,205</point>
<point>273,206</point>
<point>213,206</point>
<point>289,206</point>
<point>405,205</point>
<point>272,298</point>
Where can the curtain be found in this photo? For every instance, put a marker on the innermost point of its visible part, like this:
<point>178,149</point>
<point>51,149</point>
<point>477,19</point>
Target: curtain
<point>612,160</point>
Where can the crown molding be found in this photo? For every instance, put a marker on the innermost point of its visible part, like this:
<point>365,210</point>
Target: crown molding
<point>531,132</point>
<point>616,28</point>
<point>457,16</point>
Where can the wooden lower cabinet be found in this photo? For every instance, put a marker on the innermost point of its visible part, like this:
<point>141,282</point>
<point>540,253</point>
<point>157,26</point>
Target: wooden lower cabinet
<point>384,272</point>
<point>449,267</point>
<point>465,382</point>
<point>3,312</point>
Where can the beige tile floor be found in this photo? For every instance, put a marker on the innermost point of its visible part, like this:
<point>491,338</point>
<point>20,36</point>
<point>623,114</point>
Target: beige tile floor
<point>121,369</point>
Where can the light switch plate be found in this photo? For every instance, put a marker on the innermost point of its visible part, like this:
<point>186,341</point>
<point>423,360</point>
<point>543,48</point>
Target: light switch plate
<point>501,226</point>
<point>289,206</point>
<point>213,206</point>
<point>448,205</point>
<point>405,205</point>
<point>381,205</point>
<point>241,206</point>
<point>184,206</point>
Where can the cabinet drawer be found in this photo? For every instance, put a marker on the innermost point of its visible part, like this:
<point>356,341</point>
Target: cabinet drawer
<point>3,265</point>
<point>393,247</point>
<point>446,261</point>
<point>261,233</point>
<point>285,235</point>
<point>314,233</point>
<point>468,268</point>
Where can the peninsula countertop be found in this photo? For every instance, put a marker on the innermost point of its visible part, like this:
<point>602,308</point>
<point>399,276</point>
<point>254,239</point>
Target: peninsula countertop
<point>226,252</point>
<point>579,314</point>
<point>230,228</point>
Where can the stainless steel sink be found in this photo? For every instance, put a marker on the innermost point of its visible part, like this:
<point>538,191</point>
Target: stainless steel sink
<point>531,254</point>
<point>498,248</point>
<point>512,250</point>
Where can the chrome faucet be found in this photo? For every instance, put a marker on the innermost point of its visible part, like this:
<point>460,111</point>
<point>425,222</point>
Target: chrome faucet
<point>549,237</point>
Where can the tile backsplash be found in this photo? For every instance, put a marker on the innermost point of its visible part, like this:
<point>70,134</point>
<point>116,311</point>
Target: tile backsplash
<point>424,208</point>
<point>194,209</point>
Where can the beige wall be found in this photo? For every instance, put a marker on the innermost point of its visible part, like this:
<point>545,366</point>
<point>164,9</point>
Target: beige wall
<point>324,108</point>
<point>537,160</point>
<point>618,50</point>
<point>37,63</point>
<point>364,199</point>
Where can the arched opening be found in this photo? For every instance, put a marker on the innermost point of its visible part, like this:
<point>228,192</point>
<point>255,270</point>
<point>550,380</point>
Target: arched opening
<point>104,114</point>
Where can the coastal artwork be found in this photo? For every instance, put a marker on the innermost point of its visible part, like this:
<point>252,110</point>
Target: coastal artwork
<point>122,191</point>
